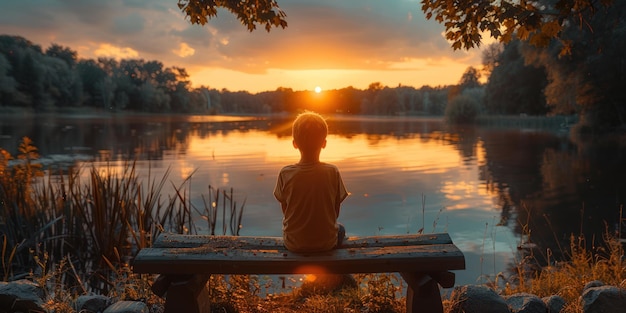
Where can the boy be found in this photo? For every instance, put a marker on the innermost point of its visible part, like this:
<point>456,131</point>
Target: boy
<point>310,192</point>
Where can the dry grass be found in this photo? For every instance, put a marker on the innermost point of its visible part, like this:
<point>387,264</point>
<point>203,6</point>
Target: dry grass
<point>568,278</point>
<point>376,293</point>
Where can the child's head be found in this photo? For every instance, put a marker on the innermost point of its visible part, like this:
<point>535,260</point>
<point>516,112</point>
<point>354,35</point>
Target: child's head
<point>309,132</point>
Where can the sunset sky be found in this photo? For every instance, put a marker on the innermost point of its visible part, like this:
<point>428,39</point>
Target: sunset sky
<point>328,43</point>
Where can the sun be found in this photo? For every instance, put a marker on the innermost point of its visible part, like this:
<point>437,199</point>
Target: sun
<point>318,89</point>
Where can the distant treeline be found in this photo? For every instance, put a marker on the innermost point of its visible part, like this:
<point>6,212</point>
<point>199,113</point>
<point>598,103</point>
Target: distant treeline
<point>41,81</point>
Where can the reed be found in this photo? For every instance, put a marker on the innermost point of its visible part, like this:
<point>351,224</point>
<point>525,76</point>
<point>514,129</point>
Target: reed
<point>93,223</point>
<point>230,222</point>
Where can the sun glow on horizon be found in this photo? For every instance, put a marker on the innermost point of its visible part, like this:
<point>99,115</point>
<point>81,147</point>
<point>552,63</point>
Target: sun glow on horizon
<point>443,73</point>
<point>318,89</point>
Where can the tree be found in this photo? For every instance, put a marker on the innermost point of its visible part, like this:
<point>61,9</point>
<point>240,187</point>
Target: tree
<point>61,84</point>
<point>470,78</point>
<point>24,67</point>
<point>386,102</point>
<point>248,12</point>
<point>66,54</point>
<point>30,80</point>
<point>464,20</point>
<point>14,48</point>
<point>462,109</point>
<point>7,83</point>
<point>92,77</point>
<point>181,100</point>
<point>515,87</point>
<point>153,99</point>
<point>535,21</point>
<point>435,99</point>
<point>367,105</point>
<point>490,57</point>
<point>589,81</point>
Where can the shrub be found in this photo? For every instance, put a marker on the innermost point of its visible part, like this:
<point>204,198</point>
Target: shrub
<point>462,109</point>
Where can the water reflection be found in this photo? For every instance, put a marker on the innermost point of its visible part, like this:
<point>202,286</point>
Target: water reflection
<point>482,185</point>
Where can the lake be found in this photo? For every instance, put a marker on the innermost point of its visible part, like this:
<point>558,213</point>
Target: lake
<point>495,190</point>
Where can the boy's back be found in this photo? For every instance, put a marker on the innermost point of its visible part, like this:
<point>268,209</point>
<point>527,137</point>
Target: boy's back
<point>310,195</point>
<point>310,192</point>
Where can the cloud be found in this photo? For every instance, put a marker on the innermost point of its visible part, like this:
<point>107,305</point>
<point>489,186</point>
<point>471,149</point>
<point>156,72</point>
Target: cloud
<point>324,35</point>
<point>184,51</point>
<point>129,23</point>
<point>87,12</point>
<point>110,51</point>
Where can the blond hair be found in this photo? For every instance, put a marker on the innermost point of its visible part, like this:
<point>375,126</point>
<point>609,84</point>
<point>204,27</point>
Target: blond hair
<point>309,130</point>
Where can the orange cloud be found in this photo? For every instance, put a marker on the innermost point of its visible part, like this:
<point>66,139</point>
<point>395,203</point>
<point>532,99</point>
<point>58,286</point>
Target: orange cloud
<point>108,50</point>
<point>184,50</point>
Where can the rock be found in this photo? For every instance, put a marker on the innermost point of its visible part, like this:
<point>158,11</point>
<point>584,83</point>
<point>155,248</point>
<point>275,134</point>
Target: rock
<point>476,299</point>
<point>91,304</point>
<point>23,289</point>
<point>21,296</point>
<point>605,299</point>
<point>525,303</point>
<point>10,303</point>
<point>593,283</point>
<point>555,303</point>
<point>127,307</point>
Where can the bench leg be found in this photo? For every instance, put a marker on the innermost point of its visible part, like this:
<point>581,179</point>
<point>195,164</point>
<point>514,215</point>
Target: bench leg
<point>186,293</point>
<point>422,295</point>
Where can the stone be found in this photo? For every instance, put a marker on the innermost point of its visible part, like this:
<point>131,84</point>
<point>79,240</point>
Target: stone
<point>127,307</point>
<point>23,289</point>
<point>91,303</point>
<point>605,299</point>
<point>21,296</point>
<point>476,299</point>
<point>525,303</point>
<point>554,303</point>
<point>593,283</point>
<point>10,303</point>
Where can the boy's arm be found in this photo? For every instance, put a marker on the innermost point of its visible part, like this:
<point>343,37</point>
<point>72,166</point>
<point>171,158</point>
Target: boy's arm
<point>278,194</point>
<point>341,195</point>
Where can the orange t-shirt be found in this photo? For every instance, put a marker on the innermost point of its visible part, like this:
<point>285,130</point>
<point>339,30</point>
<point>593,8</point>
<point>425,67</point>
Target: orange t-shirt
<point>310,197</point>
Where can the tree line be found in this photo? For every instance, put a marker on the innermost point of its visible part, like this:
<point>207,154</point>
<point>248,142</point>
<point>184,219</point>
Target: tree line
<point>38,80</point>
<point>41,80</point>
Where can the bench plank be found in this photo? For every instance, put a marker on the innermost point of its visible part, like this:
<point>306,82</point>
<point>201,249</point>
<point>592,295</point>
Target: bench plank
<point>167,240</point>
<point>266,255</point>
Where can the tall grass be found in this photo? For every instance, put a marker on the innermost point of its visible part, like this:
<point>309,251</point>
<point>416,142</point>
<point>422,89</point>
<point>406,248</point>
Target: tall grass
<point>568,277</point>
<point>93,223</point>
<point>565,272</point>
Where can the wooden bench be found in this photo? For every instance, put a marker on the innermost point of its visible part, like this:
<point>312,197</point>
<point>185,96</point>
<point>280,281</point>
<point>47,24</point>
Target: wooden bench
<point>186,262</point>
